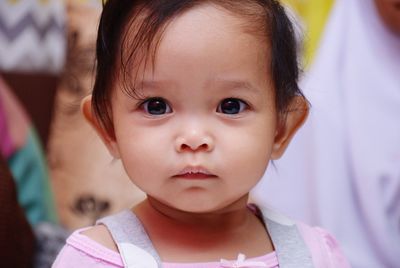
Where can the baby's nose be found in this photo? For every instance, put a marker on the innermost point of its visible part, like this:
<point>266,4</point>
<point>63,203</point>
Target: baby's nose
<point>194,140</point>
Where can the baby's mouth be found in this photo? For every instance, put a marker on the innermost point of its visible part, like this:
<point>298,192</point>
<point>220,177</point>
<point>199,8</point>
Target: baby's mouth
<point>195,173</point>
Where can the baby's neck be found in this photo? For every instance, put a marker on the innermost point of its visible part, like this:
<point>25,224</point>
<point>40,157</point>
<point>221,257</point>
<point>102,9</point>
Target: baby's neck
<point>199,236</point>
<point>229,217</point>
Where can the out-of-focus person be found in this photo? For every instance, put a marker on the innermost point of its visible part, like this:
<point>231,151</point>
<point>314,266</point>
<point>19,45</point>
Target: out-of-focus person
<point>345,163</point>
<point>21,148</point>
<point>26,195</point>
<point>88,184</point>
<point>32,44</point>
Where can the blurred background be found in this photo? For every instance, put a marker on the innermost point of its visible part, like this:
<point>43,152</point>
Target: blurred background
<point>60,176</point>
<point>63,175</point>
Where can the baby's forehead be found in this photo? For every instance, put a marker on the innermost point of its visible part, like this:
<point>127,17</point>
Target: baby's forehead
<point>203,25</point>
<point>150,25</point>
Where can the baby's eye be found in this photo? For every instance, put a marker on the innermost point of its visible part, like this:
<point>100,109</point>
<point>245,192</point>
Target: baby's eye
<point>231,106</point>
<point>156,106</point>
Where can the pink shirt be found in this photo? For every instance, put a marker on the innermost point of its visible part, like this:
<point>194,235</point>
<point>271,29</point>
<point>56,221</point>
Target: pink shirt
<point>81,251</point>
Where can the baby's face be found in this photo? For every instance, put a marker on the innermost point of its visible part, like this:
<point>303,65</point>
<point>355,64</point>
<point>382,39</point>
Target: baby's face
<point>203,134</point>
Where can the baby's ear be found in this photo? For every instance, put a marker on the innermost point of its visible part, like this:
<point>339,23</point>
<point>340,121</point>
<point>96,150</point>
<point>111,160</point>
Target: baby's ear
<point>109,141</point>
<point>289,124</point>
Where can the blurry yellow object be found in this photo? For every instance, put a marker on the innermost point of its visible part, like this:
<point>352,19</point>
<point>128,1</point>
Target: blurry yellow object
<point>314,14</point>
<point>43,2</point>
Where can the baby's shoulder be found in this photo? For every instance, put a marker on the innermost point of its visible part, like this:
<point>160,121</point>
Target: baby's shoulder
<point>89,247</point>
<point>100,234</point>
<point>323,247</point>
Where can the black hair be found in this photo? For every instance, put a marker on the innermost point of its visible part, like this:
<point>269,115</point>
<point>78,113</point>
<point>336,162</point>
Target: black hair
<point>150,17</point>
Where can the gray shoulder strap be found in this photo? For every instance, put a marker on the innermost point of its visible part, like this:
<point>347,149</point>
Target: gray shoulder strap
<point>290,247</point>
<point>133,243</point>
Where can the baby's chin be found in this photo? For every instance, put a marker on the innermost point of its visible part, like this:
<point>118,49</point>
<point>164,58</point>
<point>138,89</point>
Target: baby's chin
<point>208,206</point>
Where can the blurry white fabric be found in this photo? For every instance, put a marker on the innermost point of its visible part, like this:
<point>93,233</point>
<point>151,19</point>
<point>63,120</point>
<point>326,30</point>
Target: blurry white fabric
<point>342,170</point>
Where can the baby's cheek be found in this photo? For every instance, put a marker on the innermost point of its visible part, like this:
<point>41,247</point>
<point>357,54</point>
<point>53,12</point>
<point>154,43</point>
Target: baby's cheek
<point>250,159</point>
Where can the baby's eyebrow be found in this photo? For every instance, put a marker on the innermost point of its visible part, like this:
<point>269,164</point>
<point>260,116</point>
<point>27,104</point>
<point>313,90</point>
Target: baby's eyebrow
<point>235,84</point>
<point>152,84</point>
<point>222,84</point>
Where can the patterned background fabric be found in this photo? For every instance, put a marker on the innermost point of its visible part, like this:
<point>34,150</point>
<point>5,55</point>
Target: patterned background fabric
<point>32,35</point>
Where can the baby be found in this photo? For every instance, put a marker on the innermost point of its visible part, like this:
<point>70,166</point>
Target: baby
<point>195,98</point>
